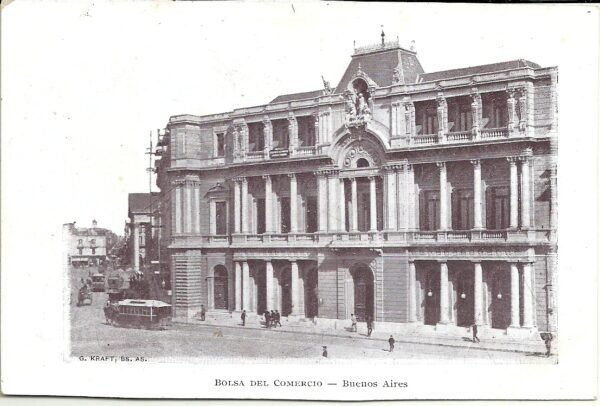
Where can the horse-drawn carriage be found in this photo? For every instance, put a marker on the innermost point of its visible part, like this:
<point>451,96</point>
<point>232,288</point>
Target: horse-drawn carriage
<point>150,314</point>
<point>84,296</point>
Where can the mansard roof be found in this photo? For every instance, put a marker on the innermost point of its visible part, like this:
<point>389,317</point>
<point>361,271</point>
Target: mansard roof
<point>296,96</point>
<point>475,70</point>
<point>379,65</point>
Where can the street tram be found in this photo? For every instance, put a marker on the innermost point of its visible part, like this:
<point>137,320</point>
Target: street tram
<point>151,314</point>
<point>98,282</point>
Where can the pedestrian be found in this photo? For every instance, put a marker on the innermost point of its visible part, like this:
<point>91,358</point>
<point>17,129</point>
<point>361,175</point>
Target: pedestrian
<point>354,323</point>
<point>391,341</point>
<point>474,329</point>
<point>278,318</point>
<point>325,351</point>
<point>273,317</point>
<point>267,319</point>
<point>243,318</point>
<point>369,326</point>
<point>548,341</point>
<point>202,313</point>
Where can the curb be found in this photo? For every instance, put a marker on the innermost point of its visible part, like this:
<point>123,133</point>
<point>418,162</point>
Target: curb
<point>398,340</point>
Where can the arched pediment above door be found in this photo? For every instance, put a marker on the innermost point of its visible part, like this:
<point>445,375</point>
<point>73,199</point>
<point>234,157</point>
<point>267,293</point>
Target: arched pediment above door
<point>357,147</point>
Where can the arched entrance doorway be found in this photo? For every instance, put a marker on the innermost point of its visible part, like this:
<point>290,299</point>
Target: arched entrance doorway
<point>499,290</point>
<point>363,292</point>
<point>465,303</point>
<point>220,288</point>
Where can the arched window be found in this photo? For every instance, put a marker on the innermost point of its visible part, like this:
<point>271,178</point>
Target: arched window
<point>362,163</point>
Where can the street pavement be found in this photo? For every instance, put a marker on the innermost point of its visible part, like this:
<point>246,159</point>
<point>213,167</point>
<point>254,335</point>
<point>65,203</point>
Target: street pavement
<point>90,335</point>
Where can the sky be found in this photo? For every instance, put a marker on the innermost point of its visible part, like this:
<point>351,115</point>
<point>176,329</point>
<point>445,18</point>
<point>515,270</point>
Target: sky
<point>84,83</point>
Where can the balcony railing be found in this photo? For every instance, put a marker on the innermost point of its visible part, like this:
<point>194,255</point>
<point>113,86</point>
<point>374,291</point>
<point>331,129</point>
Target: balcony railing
<point>493,133</point>
<point>459,136</point>
<point>254,155</point>
<point>306,151</point>
<point>422,139</point>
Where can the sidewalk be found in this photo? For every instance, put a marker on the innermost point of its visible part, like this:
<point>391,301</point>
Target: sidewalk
<point>491,340</point>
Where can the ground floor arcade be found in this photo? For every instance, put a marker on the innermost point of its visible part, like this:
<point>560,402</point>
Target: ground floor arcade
<point>499,294</point>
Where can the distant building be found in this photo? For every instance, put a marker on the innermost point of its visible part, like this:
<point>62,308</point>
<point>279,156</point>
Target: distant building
<point>140,230</point>
<point>397,195</point>
<point>85,246</point>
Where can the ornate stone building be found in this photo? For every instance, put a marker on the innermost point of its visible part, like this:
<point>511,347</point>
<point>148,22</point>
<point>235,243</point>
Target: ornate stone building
<point>409,197</point>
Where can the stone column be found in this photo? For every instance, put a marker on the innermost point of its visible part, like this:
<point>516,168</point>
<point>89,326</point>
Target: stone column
<point>268,134</point>
<point>476,106</point>
<point>478,292</point>
<point>246,286</point>
<point>410,119</point>
<point>212,212</point>
<point>443,196</point>
<point>268,204</point>
<point>342,205</point>
<point>411,196</point>
<point>196,228</point>
<point>391,194</point>
<point>322,190</point>
<point>525,193</point>
<point>412,292</point>
<point>477,195</point>
<point>442,113</point>
<point>177,209</point>
<point>354,225</point>
<point>244,213</point>
<point>514,193</point>
<point>136,246</point>
<point>373,203</point>
<point>512,112</point>
<point>395,118</point>
<point>523,110</point>
<point>293,203</point>
<point>187,208</point>
<point>236,206</point>
<point>270,303</point>
<point>333,215</point>
<point>295,289</point>
<point>292,133</point>
<point>527,296</point>
<point>514,295</point>
<point>444,299</point>
<point>238,286</point>
<point>401,198</point>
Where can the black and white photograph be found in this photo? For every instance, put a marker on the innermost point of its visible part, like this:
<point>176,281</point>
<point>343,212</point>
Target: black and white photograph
<point>311,200</point>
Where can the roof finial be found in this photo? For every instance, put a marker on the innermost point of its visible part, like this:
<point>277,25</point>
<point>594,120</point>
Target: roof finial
<point>354,43</point>
<point>382,37</point>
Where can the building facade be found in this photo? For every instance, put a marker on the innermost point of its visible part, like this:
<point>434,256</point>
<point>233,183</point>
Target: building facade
<point>141,231</point>
<point>85,246</point>
<point>405,196</point>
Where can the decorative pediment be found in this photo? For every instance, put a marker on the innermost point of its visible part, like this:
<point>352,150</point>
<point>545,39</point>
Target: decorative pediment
<point>218,190</point>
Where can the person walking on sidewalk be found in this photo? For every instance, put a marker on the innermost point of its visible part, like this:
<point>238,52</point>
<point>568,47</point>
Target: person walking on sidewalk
<point>548,342</point>
<point>267,319</point>
<point>202,313</point>
<point>474,329</point>
<point>369,326</point>
<point>325,351</point>
<point>354,322</point>
<point>277,318</point>
<point>273,318</point>
<point>243,318</point>
<point>392,342</point>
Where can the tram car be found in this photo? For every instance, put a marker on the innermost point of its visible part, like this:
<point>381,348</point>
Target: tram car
<point>149,314</point>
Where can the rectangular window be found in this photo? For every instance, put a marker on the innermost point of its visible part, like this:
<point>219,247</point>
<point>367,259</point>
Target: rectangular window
<point>430,211</point>
<point>285,215</point>
<point>430,124</point>
<point>260,216</point>
<point>220,144</point>
<point>80,251</point>
<point>93,251</point>
<point>462,210</point>
<point>256,137</point>
<point>312,214</point>
<point>497,208</point>
<point>465,118</point>
<point>221,218</point>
